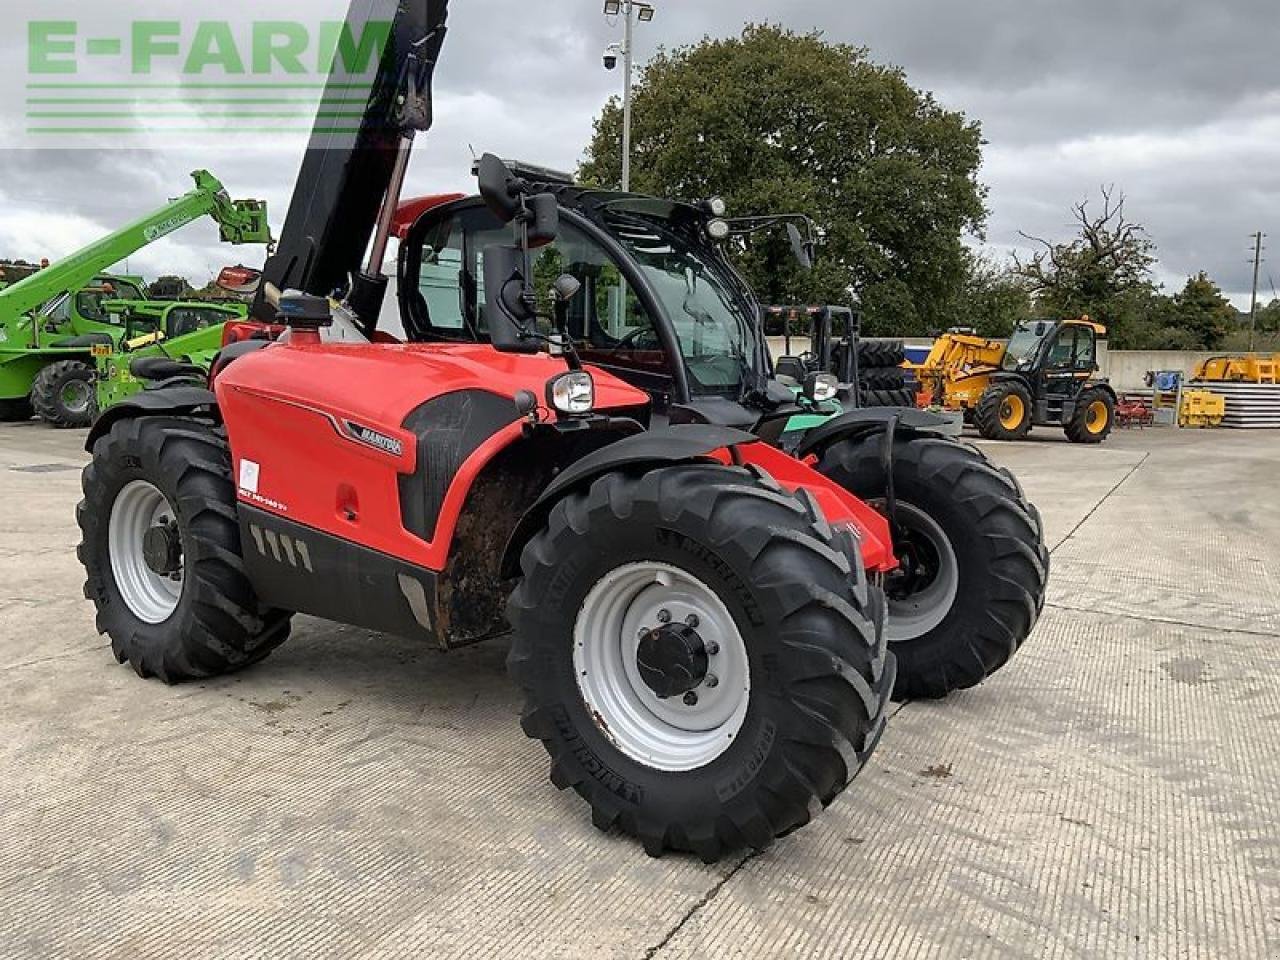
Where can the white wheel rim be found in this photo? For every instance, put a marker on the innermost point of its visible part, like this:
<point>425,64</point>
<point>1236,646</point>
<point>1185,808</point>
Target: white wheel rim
<point>923,610</point>
<point>668,734</point>
<point>150,596</point>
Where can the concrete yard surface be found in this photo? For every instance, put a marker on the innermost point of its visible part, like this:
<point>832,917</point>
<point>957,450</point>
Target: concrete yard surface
<point>1114,792</point>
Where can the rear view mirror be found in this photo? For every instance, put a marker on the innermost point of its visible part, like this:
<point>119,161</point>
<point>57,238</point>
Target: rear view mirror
<point>798,247</point>
<point>508,314</point>
<point>499,188</point>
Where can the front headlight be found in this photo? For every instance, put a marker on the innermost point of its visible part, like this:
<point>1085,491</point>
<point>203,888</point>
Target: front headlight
<point>572,392</point>
<point>821,387</point>
<point>718,229</point>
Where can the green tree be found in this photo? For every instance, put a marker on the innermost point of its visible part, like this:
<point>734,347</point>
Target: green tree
<point>1203,313</point>
<point>992,299</point>
<point>775,121</point>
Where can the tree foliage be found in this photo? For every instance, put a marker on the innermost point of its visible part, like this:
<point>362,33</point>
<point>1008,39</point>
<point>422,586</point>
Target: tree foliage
<point>775,121</point>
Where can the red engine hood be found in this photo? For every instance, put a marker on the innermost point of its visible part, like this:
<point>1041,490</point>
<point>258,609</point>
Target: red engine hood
<point>384,383</point>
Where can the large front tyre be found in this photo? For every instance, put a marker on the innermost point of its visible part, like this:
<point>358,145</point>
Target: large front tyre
<point>701,656</point>
<point>1093,417</point>
<point>1003,412</point>
<point>973,564</point>
<point>161,551</point>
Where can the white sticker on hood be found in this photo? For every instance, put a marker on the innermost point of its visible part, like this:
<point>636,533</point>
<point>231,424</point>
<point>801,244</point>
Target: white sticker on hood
<point>249,471</point>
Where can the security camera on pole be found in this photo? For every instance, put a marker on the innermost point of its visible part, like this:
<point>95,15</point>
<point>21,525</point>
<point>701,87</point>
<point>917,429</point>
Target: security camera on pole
<point>632,10</point>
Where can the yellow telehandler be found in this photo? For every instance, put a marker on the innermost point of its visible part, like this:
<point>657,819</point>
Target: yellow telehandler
<point>1044,376</point>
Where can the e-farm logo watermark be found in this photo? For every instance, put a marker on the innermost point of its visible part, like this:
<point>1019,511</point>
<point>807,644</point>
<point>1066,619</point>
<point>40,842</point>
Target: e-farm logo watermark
<point>172,77</point>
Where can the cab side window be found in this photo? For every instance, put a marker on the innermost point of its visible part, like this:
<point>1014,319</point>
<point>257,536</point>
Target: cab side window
<point>1086,352</point>
<point>440,279</point>
<point>1062,353</point>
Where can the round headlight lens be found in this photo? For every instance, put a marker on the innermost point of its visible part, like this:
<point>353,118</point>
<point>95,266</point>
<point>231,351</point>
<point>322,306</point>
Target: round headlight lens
<point>717,207</point>
<point>717,229</point>
<point>572,392</point>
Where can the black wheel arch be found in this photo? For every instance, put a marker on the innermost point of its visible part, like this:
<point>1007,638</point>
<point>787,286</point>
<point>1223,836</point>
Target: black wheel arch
<point>686,443</point>
<point>856,424</point>
<point>178,401</point>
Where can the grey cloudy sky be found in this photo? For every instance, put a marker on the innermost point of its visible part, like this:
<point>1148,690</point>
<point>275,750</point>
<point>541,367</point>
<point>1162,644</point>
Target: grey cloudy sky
<point>1176,103</point>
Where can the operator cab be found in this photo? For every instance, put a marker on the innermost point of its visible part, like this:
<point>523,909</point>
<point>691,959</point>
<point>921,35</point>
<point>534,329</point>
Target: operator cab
<point>658,305</point>
<point>1052,345</point>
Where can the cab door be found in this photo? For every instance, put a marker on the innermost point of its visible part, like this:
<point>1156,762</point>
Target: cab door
<point>1070,361</point>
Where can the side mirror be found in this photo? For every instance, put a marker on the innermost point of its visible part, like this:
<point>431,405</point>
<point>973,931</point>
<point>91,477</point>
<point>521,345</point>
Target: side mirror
<point>798,247</point>
<point>499,188</point>
<point>508,315</point>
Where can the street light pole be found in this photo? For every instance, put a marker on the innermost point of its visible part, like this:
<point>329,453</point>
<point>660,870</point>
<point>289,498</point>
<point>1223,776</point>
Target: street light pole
<point>631,10</point>
<point>628,33</point>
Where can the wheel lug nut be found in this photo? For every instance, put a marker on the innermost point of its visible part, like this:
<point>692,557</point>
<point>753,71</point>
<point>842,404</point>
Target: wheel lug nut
<point>711,647</point>
<point>692,621</point>
<point>712,680</point>
<point>690,699</point>
<point>664,616</point>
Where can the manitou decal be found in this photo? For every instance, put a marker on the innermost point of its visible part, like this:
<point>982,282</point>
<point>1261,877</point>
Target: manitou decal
<point>372,438</point>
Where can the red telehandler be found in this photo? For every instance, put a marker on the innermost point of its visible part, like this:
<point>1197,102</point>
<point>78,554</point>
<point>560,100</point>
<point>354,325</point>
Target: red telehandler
<point>697,616</point>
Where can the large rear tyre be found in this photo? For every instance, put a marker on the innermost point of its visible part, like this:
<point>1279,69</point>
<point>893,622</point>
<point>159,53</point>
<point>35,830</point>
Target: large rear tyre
<point>161,548</point>
<point>1094,416</point>
<point>880,353</point>
<point>701,656</point>
<point>1003,412</point>
<point>63,394</point>
<point>973,561</point>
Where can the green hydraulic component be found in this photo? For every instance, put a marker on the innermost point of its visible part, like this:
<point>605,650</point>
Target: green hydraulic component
<point>43,322</point>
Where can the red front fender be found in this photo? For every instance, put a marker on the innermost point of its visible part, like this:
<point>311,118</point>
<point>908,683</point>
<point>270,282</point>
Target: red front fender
<point>838,505</point>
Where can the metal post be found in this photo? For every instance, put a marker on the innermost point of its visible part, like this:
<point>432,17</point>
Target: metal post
<point>1253,305</point>
<point>629,10</point>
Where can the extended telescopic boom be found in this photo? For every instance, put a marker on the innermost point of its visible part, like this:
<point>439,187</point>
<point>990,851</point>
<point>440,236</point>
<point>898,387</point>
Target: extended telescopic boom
<point>241,221</point>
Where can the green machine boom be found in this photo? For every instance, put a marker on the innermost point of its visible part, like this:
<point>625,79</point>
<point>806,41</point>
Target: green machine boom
<point>46,361</point>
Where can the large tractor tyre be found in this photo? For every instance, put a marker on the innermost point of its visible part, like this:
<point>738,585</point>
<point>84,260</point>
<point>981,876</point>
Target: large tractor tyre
<point>161,547</point>
<point>701,656</point>
<point>880,353</point>
<point>887,398</point>
<point>973,561</point>
<point>1003,412</point>
<point>1094,416</point>
<point>883,378</point>
<point>17,410</point>
<point>63,394</point>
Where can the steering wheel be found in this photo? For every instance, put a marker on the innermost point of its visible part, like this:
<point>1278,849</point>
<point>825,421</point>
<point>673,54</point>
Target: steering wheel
<point>642,338</point>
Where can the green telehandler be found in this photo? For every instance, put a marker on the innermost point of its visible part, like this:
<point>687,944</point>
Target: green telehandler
<point>51,321</point>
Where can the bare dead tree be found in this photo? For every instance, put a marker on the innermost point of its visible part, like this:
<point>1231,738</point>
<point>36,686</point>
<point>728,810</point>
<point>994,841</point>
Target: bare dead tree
<point>1108,249</point>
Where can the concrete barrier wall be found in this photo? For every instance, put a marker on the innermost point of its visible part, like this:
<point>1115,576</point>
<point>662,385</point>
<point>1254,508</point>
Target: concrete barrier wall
<point>1126,369</point>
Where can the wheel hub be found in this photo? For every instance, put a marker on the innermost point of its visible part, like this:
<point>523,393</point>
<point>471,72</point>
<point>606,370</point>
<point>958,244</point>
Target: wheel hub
<point>162,548</point>
<point>672,660</point>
